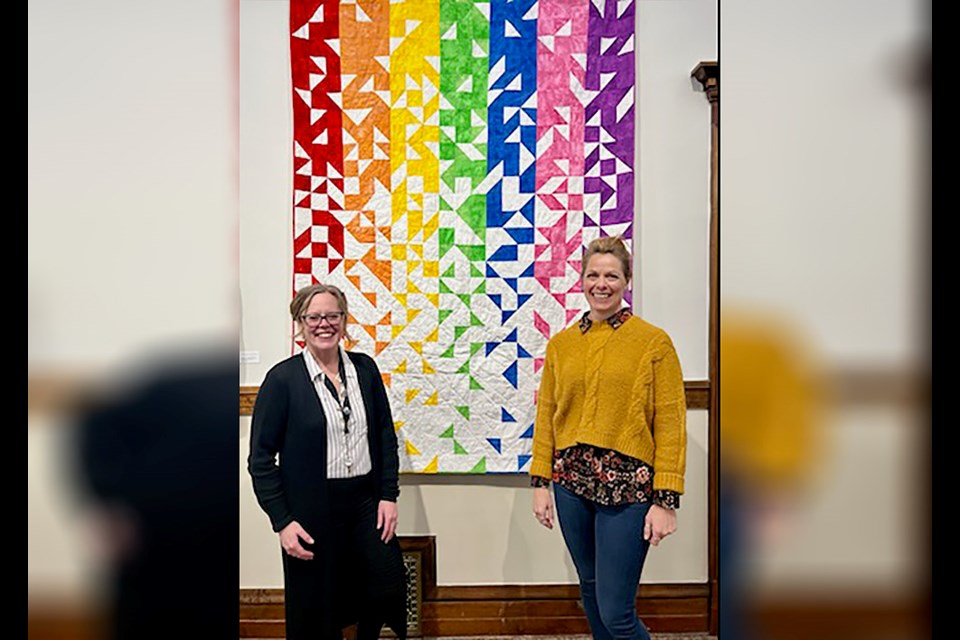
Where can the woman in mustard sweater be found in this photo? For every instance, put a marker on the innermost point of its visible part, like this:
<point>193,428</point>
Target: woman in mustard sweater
<point>610,435</point>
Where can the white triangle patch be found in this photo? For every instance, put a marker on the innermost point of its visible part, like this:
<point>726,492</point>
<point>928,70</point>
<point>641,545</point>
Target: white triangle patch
<point>358,115</point>
<point>303,32</point>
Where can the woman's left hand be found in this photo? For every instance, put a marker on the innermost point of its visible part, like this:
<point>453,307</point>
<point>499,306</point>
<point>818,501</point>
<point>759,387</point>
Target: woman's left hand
<point>660,523</point>
<point>387,520</point>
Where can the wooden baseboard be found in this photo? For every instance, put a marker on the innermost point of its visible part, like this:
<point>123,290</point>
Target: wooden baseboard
<point>850,618</point>
<point>261,615</point>
<point>506,610</point>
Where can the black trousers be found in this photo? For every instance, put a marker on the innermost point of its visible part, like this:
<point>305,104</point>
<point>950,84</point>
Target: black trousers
<point>357,579</point>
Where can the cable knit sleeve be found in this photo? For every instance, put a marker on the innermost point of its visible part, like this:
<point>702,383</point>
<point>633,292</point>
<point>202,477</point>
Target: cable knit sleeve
<point>543,436</point>
<point>669,419</point>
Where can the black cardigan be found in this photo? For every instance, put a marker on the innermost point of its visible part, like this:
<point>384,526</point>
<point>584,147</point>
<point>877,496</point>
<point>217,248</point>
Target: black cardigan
<point>288,420</point>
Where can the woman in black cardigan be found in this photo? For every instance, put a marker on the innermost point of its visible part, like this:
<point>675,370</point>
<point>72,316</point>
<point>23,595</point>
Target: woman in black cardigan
<point>332,495</point>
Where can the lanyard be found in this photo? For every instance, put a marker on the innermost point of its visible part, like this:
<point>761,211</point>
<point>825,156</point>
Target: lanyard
<point>345,405</point>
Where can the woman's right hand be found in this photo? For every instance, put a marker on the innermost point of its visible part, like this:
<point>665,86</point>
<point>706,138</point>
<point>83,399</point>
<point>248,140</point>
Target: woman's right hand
<point>290,537</point>
<point>543,506</point>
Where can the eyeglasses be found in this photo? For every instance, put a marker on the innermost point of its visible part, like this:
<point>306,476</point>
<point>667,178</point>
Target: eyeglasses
<point>314,320</point>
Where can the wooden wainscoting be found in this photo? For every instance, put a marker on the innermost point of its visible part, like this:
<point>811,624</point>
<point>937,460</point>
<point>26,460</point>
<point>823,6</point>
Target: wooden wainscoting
<point>494,609</point>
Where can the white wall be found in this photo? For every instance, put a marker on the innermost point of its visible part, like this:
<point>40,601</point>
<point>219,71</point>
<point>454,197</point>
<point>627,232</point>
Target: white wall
<point>131,222</point>
<point>822,223</point>
<point>818,179</point>
<point>131,180</point>
<point>485,531</point>
<point>673,185</point>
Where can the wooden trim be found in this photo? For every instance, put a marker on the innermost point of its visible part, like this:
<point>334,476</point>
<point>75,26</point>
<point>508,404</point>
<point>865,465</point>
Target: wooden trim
<point>513,592</point>
<point>248,395</point>
<point>875,387</point>
<point>561,592</point>
<point>708,75</point>
<point>908,616</point>
<point>58,391</point>
<point>531,617</point>
<point>506,610</point>
<point>698,396</point>
<point>782,619</point>
<point>498,609</point>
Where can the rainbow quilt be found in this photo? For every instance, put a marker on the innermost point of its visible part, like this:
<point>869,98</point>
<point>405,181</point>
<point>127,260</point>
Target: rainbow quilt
<point>451,160</point>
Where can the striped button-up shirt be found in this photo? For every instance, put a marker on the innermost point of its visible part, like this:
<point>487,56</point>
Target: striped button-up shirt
<point>348,451</point>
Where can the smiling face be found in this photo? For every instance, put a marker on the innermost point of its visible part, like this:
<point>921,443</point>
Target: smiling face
<point>603,285</point>
<point>327,333</point>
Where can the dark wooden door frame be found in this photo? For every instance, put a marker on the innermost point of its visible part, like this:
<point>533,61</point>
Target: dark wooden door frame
<point>708,75</point>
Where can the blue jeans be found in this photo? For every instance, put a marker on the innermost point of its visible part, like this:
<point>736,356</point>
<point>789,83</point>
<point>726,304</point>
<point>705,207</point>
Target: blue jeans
<point>733,544</point>
<point>608,549</point>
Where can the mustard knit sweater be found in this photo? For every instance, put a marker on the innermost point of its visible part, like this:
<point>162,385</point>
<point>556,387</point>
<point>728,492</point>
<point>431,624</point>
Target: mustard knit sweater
<point>619,389</point>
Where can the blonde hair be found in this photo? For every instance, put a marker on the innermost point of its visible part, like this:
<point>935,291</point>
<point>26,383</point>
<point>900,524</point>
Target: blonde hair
<point>302,300</point>
<point>612,245</point>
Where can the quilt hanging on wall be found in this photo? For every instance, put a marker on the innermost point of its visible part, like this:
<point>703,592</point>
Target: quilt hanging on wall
<point>452,158</point>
